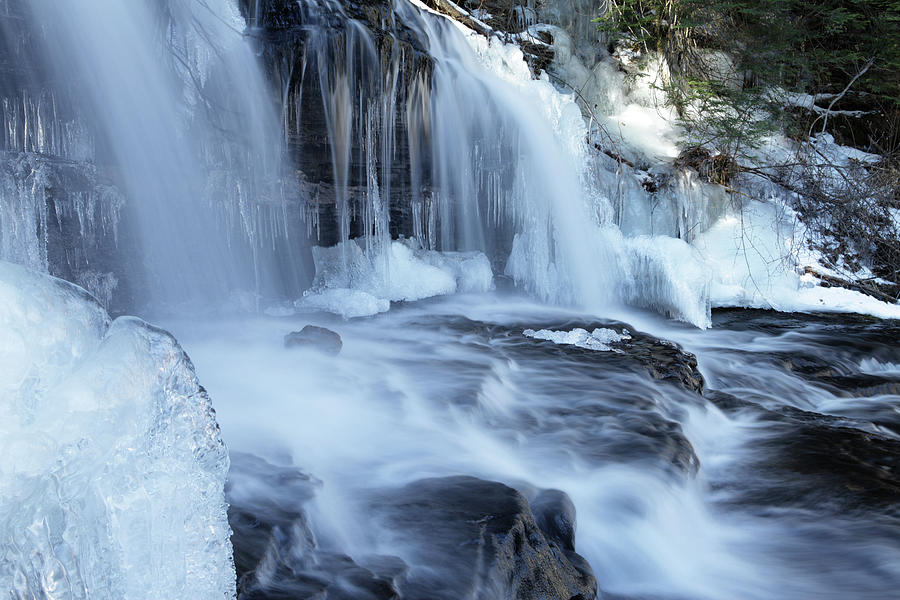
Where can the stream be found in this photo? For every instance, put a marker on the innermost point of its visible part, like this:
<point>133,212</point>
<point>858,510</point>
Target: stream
<point>777,480</point>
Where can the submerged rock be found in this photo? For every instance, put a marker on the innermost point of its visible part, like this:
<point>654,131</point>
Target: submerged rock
<point>609,407</point>
<point>276,554</point>
<point>311,336</point>
<point>815,460</point>
<point>662,359</point>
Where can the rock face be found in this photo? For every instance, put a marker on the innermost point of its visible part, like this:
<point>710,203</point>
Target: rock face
<point>347,72</point>
<point>463,538</point>
<point>554,514</point>
<point>312,336</point>
<point>480,540</point>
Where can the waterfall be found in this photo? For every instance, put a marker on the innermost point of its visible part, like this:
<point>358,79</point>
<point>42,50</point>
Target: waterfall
<point>445,137</point>
<point>184,125</point>
<point>392,123</point>
<point>419,129</point>
<point>256,174</point>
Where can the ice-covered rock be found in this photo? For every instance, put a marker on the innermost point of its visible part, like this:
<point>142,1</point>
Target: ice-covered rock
<point>345,302</point>
<point>112,473</point>
<point>352,283</point>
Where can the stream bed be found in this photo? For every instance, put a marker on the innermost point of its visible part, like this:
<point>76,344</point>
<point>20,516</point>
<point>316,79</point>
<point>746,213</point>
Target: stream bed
<point>757,459</point>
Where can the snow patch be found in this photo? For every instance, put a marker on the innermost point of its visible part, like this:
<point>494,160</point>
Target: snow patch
<point>756,257</point>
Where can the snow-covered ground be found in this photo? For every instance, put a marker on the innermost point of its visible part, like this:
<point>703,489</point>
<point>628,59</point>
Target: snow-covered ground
<point>752,248</point>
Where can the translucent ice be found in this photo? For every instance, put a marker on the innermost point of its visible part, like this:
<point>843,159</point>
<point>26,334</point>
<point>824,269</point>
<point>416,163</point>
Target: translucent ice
<point>113,471</point>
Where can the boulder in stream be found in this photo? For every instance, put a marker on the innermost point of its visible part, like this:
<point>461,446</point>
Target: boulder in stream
<point>319,338</point>
<point>479,539</point>
<point>459,537</point>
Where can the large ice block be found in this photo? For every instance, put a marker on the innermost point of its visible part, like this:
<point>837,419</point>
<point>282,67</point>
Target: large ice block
<point>112,469</point>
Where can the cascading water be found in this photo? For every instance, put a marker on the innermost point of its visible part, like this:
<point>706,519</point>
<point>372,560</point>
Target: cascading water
<point>205,153</point>
<point>184,125</point>
<point>213,212</point>
<point>432,135</point>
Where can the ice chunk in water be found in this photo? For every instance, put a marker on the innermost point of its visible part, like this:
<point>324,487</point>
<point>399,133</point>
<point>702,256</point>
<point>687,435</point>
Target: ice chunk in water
<point>345,302</point>
<point>352,283</point>
<point>598,339</point>
<point>113,470</point>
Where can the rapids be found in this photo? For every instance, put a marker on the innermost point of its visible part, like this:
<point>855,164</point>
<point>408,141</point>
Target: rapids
<point>733,493</point>
<point>514,304</point>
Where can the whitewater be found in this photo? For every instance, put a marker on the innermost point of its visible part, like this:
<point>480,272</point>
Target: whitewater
<point>514,305</point>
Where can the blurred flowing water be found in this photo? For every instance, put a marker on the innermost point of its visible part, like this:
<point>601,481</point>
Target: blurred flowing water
<point>212,155</point>
<point>766,485</point>
<point>171,107</point>
<point>238,141</point>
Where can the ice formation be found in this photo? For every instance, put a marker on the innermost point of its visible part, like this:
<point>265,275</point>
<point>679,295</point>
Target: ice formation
<point>491,164</point>
<point>586,229</point>
<point>182,111</point>
<point>45,199</point>
<point>113,471</point>
<point>353,284</point>
<point>599,339</point>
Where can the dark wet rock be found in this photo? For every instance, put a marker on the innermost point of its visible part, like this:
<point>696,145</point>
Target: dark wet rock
<point>538,56</point>
<point>276,554</point>
<point>666,360</point>
<point>863,384</point>
<point>479,539</point>
<point>831,327</point>
<point>819,371</point>
<point>833,348</point>
<point>470,539</point>
<point>554,514</point>
<point>303,47</point>
<point>598,433</point>
<point>841,463</point>
<point>260,521</point>
<point>810,459</point>
<point>598,407</point>
<point>319,338</point>
<point>662,359</point>
<point>729,403</point>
